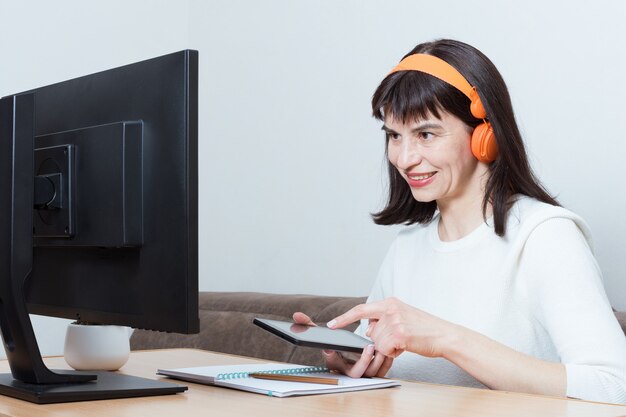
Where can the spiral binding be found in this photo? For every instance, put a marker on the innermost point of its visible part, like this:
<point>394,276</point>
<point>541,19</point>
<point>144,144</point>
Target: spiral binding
<point>293,371</point>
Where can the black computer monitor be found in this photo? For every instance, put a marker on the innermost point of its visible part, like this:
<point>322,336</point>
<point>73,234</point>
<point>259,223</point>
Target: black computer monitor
<point>98,216</point>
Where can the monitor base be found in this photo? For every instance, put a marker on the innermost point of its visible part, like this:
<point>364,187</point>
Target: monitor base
<point>108,385</point>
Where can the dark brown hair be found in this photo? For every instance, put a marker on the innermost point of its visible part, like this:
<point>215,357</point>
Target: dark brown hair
<point>412,95</point>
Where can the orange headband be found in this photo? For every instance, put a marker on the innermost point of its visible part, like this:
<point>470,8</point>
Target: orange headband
<point>439,68</point>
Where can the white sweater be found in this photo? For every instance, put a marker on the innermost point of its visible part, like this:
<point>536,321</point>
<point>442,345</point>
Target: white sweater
<point>538,290</point>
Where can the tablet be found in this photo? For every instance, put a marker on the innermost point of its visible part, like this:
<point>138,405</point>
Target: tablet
<point>312,336</point>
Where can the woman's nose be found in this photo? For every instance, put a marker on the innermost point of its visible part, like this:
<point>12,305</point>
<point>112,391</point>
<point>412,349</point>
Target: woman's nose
<point>408,155</point>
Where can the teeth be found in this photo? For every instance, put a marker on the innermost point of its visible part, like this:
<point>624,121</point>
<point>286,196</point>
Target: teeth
<point>421,177</point>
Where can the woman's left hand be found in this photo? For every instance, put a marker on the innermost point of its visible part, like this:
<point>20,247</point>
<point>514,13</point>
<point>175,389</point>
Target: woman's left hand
<point>367,364</point>
<point>396,327</point>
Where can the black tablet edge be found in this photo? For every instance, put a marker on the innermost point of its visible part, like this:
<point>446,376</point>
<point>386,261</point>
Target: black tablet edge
<point>297,342</point>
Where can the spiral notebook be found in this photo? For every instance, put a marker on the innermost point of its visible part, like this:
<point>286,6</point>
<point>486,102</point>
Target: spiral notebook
<point>238,377</point>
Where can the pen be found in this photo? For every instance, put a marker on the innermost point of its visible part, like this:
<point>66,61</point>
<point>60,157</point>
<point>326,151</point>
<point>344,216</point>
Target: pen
<point>296,378</point>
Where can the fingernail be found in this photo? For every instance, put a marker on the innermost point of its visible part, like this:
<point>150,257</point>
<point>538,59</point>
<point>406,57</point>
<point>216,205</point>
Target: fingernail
<point>331,323</point>
<point>327,352</point>
<point>370,349</point>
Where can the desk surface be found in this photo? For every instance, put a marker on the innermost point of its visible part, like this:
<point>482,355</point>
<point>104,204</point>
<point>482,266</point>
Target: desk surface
<point>412,399</point>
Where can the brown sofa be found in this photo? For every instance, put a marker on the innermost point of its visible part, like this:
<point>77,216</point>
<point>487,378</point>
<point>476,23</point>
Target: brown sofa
<point>226,325</point>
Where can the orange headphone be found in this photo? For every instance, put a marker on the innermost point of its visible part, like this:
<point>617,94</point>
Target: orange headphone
<point>483,144</point>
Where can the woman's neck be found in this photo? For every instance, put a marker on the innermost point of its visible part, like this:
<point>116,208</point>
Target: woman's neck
<point>461,215</point>
<point>456,222</point>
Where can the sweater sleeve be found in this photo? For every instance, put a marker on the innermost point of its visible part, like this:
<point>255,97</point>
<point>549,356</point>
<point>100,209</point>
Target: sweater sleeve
<point>567,297</point>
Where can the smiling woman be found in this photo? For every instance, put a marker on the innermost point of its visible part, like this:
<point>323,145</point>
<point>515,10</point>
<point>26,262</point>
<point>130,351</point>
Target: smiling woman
<point>493,284</point>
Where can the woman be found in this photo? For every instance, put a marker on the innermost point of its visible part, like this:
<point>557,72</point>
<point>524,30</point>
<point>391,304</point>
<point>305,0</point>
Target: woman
<point>493,284</point>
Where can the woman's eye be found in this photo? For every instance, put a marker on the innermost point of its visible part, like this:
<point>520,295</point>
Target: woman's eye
<point>426,136</point>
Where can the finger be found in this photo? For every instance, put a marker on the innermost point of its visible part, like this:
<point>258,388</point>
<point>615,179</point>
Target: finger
<point>375,364</point>
<point>350,358</point>
<point>334,361</point>
<point>302,318</point>
<point>385,341</point>
<point>386,365</point>
<point>370,328</point>
<point>362,311</point>
<point>358,369</point>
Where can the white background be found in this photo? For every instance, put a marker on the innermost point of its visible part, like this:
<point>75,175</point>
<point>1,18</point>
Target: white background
<point>291,162</point>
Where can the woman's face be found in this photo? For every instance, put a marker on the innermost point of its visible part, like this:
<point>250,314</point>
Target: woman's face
<point>434,157</point>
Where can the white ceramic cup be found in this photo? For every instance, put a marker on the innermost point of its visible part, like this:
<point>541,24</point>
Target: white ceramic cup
<point>96,347</point>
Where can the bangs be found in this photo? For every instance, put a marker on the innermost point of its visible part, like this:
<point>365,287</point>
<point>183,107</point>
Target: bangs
<point>412,95</point>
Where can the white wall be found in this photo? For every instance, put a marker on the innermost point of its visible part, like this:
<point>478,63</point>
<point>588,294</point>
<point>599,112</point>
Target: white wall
<point>290,159</point>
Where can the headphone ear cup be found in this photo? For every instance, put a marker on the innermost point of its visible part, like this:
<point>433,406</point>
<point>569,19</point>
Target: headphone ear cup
<point>483,144</point>
<point>476,105</point>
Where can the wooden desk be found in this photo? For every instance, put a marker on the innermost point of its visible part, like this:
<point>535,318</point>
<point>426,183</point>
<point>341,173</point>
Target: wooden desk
<point>412,399</point>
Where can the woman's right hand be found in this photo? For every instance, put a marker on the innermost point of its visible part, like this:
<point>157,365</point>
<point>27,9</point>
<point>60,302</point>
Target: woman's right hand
<point>369,364</point>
